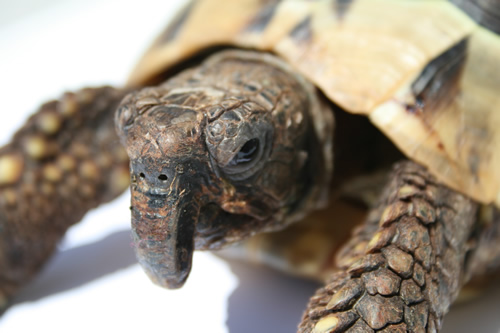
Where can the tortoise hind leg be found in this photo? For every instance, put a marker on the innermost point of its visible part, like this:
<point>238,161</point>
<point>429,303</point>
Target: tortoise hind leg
<point>64,161</point>
<point>404,266</point>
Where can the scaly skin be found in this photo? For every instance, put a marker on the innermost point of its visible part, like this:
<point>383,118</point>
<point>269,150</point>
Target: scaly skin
<point>404,266</point>
<point>64,161</point>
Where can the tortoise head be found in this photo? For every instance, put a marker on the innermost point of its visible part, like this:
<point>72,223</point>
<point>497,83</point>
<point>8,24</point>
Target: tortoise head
<point>217,154</point>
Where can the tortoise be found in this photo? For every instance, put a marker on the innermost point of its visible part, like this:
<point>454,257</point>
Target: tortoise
<point>432,228</point>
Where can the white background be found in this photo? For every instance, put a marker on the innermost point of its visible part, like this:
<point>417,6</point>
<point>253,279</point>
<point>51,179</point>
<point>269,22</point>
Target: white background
<point>93,284</point>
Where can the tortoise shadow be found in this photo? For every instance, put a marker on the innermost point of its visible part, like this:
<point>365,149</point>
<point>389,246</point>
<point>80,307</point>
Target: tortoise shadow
<point>77,266</point>
<point>266,300</point>
<point>480,315</point>
<point>269,301</point>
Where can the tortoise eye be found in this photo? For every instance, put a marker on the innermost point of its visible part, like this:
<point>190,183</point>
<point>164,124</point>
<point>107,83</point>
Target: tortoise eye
<point>240,153</point>
<point>246,154</point>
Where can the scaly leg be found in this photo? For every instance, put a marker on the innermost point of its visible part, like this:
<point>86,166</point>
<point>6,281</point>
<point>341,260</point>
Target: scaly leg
<point>405,265</point>
<point>64,161</point>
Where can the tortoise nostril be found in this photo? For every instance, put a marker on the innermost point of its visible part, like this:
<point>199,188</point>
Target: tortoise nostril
<point>162,177</point>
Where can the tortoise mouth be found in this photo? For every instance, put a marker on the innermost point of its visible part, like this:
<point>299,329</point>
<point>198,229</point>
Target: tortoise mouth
<point>217,228</point>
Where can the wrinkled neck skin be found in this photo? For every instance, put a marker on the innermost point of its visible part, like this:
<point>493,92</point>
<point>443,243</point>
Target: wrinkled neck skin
<point>236,146</point>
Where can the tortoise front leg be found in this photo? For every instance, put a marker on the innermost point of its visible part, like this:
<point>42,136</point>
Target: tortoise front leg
<point>404,267</point>
<point>64,161</point>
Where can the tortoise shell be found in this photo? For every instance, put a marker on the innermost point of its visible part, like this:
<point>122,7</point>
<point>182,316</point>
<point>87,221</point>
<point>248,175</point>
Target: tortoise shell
<point>424,72</point>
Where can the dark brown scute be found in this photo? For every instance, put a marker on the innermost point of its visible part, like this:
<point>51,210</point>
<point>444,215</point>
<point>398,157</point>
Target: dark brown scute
<point>439,81</point>
<point>176,25</point>
<point>484,12</point>
<point>263,17</point>
<point>341,7</point>
<point>302,32</point>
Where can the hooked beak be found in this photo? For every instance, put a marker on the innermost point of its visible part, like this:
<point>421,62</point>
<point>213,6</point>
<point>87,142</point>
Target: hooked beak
<point>163,227</point>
